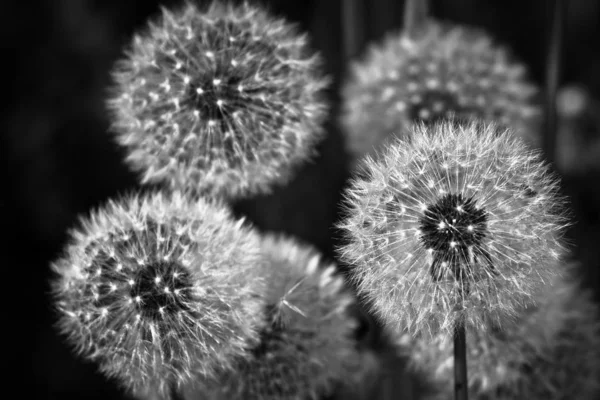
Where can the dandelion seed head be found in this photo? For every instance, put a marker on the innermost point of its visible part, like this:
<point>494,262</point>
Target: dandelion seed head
<point>550,352</point>
<point>308,345</point>
<point>200,111</point>
<point>449,71</point>
<point>157,289</point>
<point>481,248</point>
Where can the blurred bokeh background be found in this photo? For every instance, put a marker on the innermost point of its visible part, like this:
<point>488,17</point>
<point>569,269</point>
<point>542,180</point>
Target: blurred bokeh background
<point>57,158</point>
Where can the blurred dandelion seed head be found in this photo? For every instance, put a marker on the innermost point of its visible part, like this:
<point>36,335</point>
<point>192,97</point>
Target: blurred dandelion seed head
<point>225,101</point>
<point>551,352</point>
<point>448,71</point>
<point>158,288</point>
<point>456,220</point>
<point>308,345</point>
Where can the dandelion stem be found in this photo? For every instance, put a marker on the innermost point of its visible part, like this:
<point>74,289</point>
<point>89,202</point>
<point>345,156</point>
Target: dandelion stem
<point>461,382</point>
<point>415,14</point>
<point>175,393</point>
<point>460,362</point>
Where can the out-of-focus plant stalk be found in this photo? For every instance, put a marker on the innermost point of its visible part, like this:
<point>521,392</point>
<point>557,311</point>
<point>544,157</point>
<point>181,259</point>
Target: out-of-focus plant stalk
<point>353,27</point>
<point>556,17</point>
<point>415,15</point>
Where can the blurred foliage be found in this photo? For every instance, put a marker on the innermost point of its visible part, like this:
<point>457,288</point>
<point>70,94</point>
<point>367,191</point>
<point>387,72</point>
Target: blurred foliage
<point>58,160</point>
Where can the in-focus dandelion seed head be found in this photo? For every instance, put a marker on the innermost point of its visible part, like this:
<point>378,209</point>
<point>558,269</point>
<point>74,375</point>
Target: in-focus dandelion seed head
<point>308,345</point>
<point>458,220</point>
<point>449,71</point>
<point>225,101</point>
<point>158,289</point>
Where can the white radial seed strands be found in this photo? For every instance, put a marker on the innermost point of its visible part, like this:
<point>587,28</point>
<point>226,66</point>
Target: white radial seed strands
<point>449,71</point>
<point>308,345</point>
<point>158,289</point>
<point>225,101</point>
<point>459,221</point>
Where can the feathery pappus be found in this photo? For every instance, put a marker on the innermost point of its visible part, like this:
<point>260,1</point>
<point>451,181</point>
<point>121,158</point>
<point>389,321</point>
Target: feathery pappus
<point>308,345</point>
<point>550,352</point>
<point>446,71</point>
<point>159,289</point>
<point>456,221</point>
<point>225,101</point>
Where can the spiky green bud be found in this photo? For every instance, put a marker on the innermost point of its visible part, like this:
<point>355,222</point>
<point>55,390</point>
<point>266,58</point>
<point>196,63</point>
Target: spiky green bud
<point>448,70</point>
<point>225,101</point>
<point>158,289</point>
<point>459,222</point>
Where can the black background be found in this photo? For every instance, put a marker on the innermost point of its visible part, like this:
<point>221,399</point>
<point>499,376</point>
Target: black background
<point>57,159</point>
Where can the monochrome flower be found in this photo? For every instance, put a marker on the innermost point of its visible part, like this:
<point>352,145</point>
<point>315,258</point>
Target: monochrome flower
<point>225,101</point>
<point>457,221</point>
<point>446,71</point>
<point>551,352</point>
<point>157,289</point>
<point>308,346</point>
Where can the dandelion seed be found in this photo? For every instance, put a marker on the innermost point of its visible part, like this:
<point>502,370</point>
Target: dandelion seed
<point>448,71</point>
<point>162,331</point>
<point>264,89</point>
<point>308,346</point>
<point>488,249</point>
<point>551,352</point>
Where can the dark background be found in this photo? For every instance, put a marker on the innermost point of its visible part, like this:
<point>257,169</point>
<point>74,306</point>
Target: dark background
<point>57,159</point>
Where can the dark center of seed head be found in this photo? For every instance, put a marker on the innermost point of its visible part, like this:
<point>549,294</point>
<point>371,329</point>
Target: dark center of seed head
<point>161,289</point>
<point>216,99</point>
<point>219,93</point>
<point>453,229</point>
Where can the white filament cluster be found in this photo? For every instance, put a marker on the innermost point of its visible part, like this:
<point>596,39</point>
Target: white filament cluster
<point>387,206</point>
<point>309,349</point>
<point>551,352</point>
<point>448,71</point>
<point>160,289</point>
<point>224,101</point>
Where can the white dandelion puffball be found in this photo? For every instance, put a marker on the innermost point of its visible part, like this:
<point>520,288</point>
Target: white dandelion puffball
<point>158,289</point>
<point>570,368</point>
<point>553,352</point>
<point>448,71</point>
<point>226,101</point>
<point>460,222</point>
<point>308,346</point>
<point>500,359</point>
